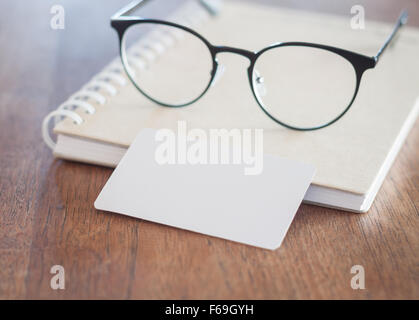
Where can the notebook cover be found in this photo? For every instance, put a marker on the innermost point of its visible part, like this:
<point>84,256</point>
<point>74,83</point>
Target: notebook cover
<point>347,155</point>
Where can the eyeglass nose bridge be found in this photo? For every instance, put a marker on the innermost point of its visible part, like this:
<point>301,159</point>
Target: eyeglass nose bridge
<point>252,56</point>
<point>242,52</point>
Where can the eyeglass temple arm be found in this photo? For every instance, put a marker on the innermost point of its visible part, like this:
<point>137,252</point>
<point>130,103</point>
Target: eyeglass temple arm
<point>134,5</point>
<point>400,22</point>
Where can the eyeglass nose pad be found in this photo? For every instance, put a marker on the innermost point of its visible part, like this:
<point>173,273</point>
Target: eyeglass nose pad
<point>259,84</point>
<point>218,74</point>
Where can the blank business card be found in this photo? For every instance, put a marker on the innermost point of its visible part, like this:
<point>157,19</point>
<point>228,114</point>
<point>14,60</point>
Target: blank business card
<point>218,200</point>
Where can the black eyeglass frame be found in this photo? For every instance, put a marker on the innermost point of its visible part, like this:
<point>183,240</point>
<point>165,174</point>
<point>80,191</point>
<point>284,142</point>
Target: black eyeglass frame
<point>121,21</point>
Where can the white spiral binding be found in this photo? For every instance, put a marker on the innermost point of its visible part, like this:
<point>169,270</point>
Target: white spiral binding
<point>140,55</point>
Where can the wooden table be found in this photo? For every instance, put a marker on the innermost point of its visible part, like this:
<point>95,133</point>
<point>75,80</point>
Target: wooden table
<point>46,205</point>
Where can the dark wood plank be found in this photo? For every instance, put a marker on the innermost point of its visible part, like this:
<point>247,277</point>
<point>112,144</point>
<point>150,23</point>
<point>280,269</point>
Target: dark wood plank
<point>46,205</point>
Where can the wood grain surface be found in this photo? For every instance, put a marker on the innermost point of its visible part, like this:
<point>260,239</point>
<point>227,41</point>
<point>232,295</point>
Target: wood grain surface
<point>46,205</point>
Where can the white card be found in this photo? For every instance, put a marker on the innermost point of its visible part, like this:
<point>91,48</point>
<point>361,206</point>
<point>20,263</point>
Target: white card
<point>219,200</point>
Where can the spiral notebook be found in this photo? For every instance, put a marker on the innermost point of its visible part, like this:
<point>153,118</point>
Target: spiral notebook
<point>352,157</point>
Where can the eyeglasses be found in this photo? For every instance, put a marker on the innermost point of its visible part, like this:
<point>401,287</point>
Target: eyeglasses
<point>302,86</point>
